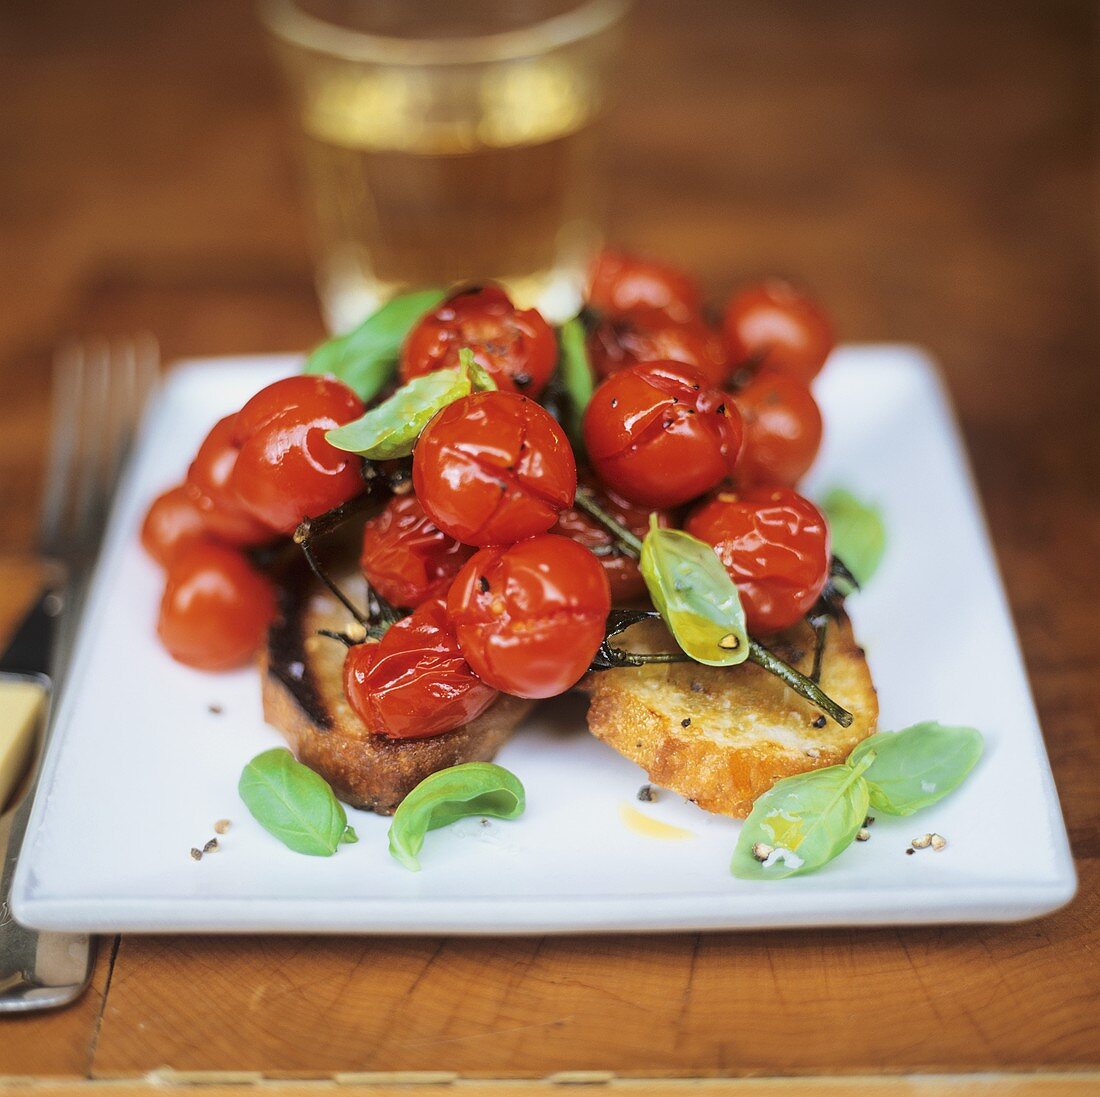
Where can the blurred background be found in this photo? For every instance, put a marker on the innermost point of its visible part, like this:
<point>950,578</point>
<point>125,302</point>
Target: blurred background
<point>927,168</point>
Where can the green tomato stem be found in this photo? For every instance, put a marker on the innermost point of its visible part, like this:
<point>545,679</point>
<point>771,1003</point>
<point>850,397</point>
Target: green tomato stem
<point>315,566</point>
<point>628,543</point>
<point>612,658</point>
<point>311,528</point>
<point>839,570</point>
<point>819,622</point>
<point>620,658</point>
<point>798,681</point>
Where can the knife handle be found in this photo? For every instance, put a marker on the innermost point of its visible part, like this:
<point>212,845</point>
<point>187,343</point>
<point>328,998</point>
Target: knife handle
<point>22,704</point>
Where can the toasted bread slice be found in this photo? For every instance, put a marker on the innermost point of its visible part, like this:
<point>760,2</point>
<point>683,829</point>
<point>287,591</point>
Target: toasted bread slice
<point>746,729</point>
<point>303,696</point>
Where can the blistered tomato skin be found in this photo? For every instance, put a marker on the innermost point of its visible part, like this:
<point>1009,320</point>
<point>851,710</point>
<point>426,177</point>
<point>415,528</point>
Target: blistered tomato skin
<point>782,429</point>
<point>659,434</point>
<point>622,572</point>
<point>619,283</point>
<point>516,347</point>
<point>406,558</point>
<point>775,325</point>
<point>775,545</point>
<point>530,618</point>
<point>647,335</point>
<point>208,486</point>
<point>493,468</point>
<point>216,607</point>
<point>415,681</point>
<point>171,524</point>
<point>286,471</point>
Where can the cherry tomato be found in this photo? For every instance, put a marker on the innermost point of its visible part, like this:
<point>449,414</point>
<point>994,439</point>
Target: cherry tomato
<point>646,335</point>
<point>286,470</point>
<point>171,523</point>
<point>406,558</point>
<point>531,617</point>
<point>619,283</point>
<point>621,570</point>
<point>415,681</point>
<point>493,468</point>
<point>782,429</point>
<point>775,325</point>
<point>775,545</point>
<point>658,434</point>
<point>216,607</point>
<point>208,486</point>
<point>515,346</point>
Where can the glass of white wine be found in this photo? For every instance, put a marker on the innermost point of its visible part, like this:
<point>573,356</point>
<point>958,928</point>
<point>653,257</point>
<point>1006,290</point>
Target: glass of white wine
<point>449,141</point>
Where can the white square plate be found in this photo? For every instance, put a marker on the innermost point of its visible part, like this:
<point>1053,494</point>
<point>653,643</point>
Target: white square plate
<point>139,768</point>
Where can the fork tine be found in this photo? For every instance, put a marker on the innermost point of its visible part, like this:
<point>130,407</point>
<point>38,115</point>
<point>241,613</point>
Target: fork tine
<point>149,368</point>
<point>66,396</point>
<point>148,372</point>
<point>93,446</point>
<point>100,389</point>
<point>123,391</point>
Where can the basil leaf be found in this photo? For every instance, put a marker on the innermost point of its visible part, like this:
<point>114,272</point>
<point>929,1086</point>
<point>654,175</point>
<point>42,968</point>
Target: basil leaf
<point>475,788</point>
<point>857,532</point>
<point>391,429</point>
<point>806,820</point>
<point>576,373</point>
<point>916,767</point>
<point>366,357</point>
<point>294,804</point>
<point>695,595</point>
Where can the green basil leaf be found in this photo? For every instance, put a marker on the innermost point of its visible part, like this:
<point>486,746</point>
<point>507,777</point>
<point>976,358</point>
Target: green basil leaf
<point>857,532</point>
<point>695,595</point>
<point>391,429</point>
<point>475,788</point>
<point>576,373</point>
<point>365,359</point>
<point>918,766</point>
<point>294,804</point>
<point>806,820</point>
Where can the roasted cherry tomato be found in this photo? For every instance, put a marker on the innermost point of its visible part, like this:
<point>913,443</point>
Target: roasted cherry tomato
<point>619,283</point>
<point>406,558</point>
<point>647,335</point>
<point>621,570</point>
<point>658,434</point>
<point>493,468</point>
<point>286,470</point>
<point>531,617</point>
<point>515,346</point>
<point>415,681</point>
<point>782,429</point>
<point>775,545</point>
<point>171,523</point>
<point>216,607</point>
<point>208,485</point>
<point>775,325</point>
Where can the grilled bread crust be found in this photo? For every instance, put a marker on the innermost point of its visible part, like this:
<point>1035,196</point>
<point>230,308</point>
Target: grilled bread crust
<point>303,696</point>
<point>721,736</point>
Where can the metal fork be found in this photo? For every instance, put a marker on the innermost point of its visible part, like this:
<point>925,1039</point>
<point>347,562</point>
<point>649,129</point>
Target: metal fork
<point>99,391</point>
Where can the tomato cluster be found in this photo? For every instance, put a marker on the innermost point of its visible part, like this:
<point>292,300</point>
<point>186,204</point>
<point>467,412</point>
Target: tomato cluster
<point>505,577</point>
<point>255,477</point>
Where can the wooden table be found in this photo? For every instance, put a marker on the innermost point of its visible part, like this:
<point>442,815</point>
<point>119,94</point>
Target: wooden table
<point>930,169</point>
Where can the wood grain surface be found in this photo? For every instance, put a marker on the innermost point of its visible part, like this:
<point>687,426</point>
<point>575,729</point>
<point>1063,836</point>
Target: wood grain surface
<point>930,169</point>
<point>168,1084</point>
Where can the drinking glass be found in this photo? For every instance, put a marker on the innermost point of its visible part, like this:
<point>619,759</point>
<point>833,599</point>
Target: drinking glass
<point>449,142</point>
